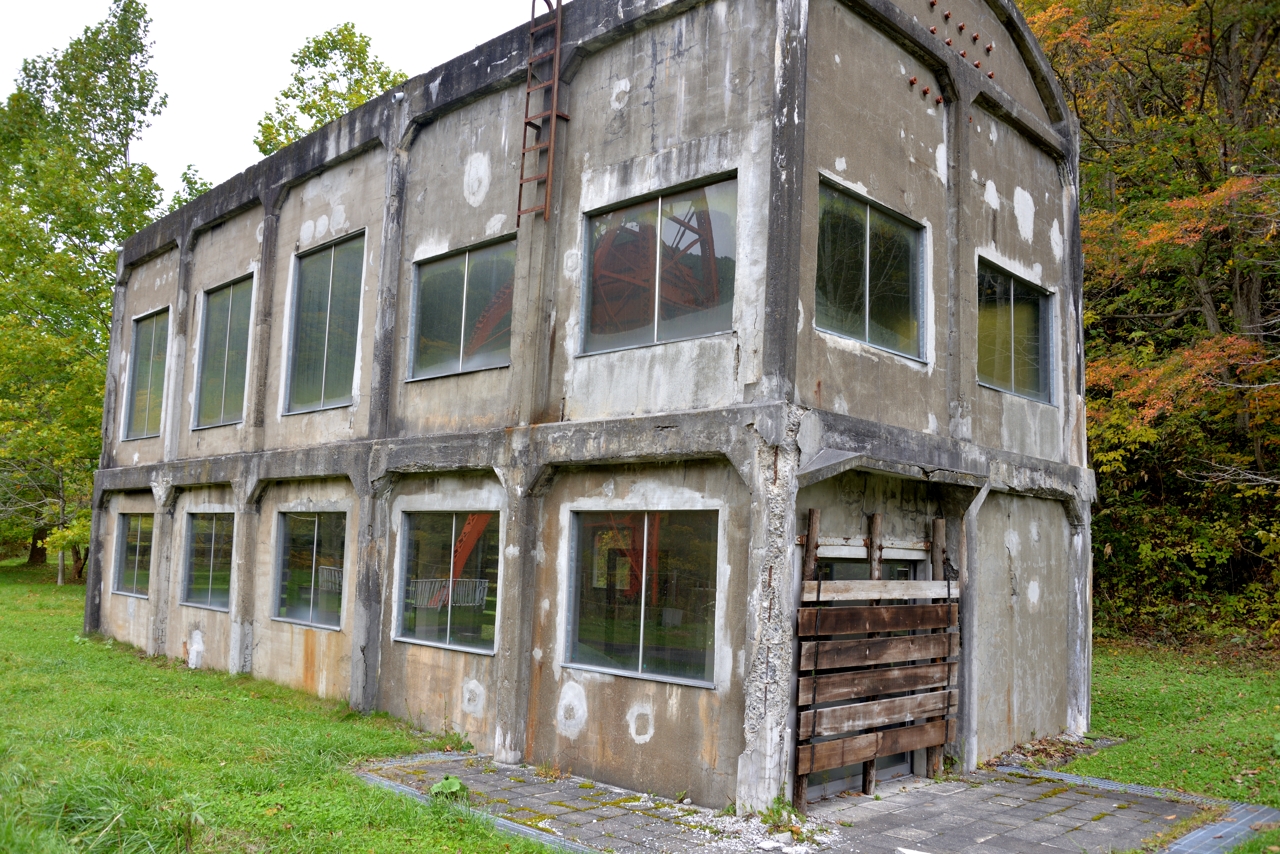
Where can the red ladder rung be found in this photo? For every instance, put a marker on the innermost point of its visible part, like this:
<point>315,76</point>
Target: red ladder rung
<point>533,179</point>
<point>540,27</point>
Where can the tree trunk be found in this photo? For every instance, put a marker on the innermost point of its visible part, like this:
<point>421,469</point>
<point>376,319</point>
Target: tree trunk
<point>62,567</point>
<point>38,555</point>
<point>78,559</point>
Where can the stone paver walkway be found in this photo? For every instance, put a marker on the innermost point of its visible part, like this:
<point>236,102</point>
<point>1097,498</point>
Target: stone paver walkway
<point>988,813</point>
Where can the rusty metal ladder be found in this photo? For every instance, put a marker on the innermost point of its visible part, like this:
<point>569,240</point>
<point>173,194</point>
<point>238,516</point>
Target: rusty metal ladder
<point>546,113</point>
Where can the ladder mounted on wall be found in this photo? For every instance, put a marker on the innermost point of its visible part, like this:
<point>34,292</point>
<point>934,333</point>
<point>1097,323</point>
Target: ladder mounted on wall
<point>544,54</point>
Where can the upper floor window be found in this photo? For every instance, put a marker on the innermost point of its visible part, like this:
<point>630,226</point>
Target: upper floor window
<point>326,319</point>
<point>450,593</point>
<point>133,564</point>
<point>224,354</point>
<point>1013,334</point>
<point>645,593</point>
<point>662,270</point>
<point>209,539</point>
<point>464,312</point>
<point>312,547</point>
<point>146,391</point>
<point>868,282</point>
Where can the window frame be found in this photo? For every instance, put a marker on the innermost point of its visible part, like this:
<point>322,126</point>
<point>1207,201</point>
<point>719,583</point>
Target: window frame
<point>569,545</point>
<point>122,544</point>
<point>411,352</point>
<point>131,377</point>
<point>402,570</point>
<point>207,510</point>
<point>279,538</point>
<point>923,281</point>
<point>1048,313</point>
<point>252,279</point>
<point>287,341</point>
<point>584,291</point>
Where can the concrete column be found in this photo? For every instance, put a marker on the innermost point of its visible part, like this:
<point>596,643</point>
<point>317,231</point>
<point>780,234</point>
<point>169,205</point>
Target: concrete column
<point>264,310</point>
<point>368,560</point>
<point>93,563</point>
<point>179,348</point>
<point>971,587</point>
<point>166,497</point>
<point>1079,619</point>
<point>248,490</point>
<point>961,357</point>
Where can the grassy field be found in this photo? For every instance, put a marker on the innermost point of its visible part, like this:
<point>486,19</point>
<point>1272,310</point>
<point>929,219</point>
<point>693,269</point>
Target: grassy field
<point>102,749</point>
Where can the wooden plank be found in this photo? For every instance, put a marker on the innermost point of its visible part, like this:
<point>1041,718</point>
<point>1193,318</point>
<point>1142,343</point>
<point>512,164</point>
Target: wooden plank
<point>856,716</point>
<point>864,652</point>
<point>825,755</point>
<point>859,619</point>
<point>835,687</point>
<point>833,591</point>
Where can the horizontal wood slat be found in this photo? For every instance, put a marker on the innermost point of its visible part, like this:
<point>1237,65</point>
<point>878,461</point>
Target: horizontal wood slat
<point>835,687</point>
<point>861,748</point>
<point>877,713</point>
<point>832,591</point>
<point>864,652</point>
<point>875,618</point>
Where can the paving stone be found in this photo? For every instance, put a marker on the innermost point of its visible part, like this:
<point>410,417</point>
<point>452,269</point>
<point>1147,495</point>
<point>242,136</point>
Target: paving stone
<point>1037,831</point>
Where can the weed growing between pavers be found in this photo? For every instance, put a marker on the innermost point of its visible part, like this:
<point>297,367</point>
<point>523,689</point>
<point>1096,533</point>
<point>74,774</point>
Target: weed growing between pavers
<point>103,749</point>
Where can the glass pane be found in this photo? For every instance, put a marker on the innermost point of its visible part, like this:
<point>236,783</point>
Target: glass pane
<point>607,579</point>
<point>437,344</point>
<point>237,351</point>
<point>428,551</point>
<point>134,573</point>
<point>155,397</point>
<point>840,295</point>
<point>1028,343</point>
<point>695,283</point>
<point>995,345</point>
<point>891,289</point>
<point>213,357</point>
<point>680,586</point>
<point>474,600</point>
<point>624,258</point>
<point>310,327</point>
<point>297,563</point>
<point>141,381</point>
<point>199,558</point>
<point>491,278</point>
<point>220,560</point>
<point>344,322</point>
<point>331,538</point>
<point>843,570</point>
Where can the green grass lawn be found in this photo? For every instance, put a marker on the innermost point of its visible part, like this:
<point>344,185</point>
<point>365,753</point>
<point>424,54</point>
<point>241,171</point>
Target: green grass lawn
<point>103,749</point>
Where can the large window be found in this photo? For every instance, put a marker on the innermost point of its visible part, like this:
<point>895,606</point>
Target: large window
<point>311,561</point>
<point>224,354</point>
<point>133,566</point>
<point>325,322</point>
<point>209,537</point>
<point>450,593</point>
<point>146,392</point>
<point>464,312</point>
<point>662,270</point>
<point>645,593</point>
<point>868,282</point>
<point>1013,334</point>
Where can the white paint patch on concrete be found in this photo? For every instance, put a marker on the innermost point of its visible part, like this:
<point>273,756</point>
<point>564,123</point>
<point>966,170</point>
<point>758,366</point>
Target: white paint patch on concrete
<point>494,225</point>
<point>933,425</point>
<point>434,245</point>
<point>841,164</point>
<point>475,178</point>
<point>537,653</point>
<point>994,134</point>
<point>859,187</point>
<point>473,698</point>
<point>940,161</point>
<point>1033,594</point>
<point>512,552</point>
<point>837,59</point>
<point>1055,240</point>
<point>544,608</point>
<point>338,218</point>
<point>621,94</point>
<point>434,86</point>
<point>307,232</point>
<point>902,69</point>
<point>571,711</point>
<point>640,721</point>
<point>1024,208</point>
<point>195,649</point>
<point>572,263</point>
<point>322,226</point>
<point>973,173</point>
<point>991,197</point>
<point>258,233</point>
<point>1012,542</point>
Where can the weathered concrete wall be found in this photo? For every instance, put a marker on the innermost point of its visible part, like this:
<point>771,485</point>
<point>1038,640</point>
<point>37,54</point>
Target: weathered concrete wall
<point>124,616</point>
<point>201,636</point>
<point>847,500</point>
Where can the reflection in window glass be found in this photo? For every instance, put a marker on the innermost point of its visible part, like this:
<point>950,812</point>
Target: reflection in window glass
<point>224,354</point>
<point>326,320</point>
<point>133,568</point>
<point>1012,336</point>
<point>150,339</point>
<point>645,588</point>
<point>450,593</point>
<point>663,270</point>
<point>464,312</point>
<point>209,559</point>
<point>868,274</point>
<point>311,567</point>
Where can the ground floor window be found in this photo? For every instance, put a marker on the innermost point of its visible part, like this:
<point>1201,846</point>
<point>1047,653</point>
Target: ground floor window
<point>312,549</point>
<point>208,581</point>
<point>133,568</point>
<point>645,592</point>
<point>450,592</point>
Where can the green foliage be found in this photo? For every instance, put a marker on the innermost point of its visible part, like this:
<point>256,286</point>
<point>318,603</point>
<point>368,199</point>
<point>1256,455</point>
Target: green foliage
<point>450,789</point>
<point>334,73</point>
<point>193,186</point>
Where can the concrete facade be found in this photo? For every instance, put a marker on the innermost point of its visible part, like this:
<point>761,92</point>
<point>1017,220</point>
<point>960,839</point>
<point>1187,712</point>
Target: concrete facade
<point>757,423</point>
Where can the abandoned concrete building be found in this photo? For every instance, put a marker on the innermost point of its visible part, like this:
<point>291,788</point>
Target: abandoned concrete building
<point>687,393</point>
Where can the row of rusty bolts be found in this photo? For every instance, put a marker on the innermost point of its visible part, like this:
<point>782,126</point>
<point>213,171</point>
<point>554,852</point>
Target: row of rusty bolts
<point>977,63</point>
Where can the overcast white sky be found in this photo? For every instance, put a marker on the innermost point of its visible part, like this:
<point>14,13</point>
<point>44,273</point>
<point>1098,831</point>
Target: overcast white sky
<point>222,64</point>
